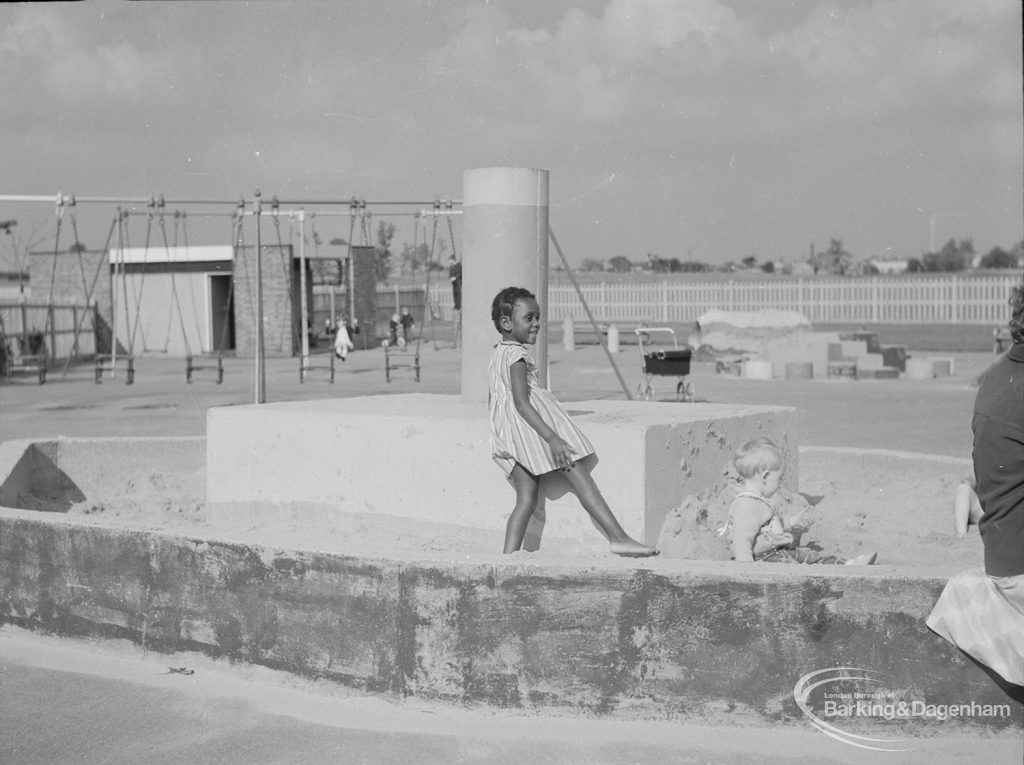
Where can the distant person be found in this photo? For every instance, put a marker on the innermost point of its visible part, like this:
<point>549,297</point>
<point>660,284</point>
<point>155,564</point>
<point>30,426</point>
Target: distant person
<point>966,506</point>
<point>407,323</point>
<point>532,437</point>
<point>981,611</point>
<point>455,277</point>
<point>755,527</point>
<point>342,341</point>
<point>393,330</point>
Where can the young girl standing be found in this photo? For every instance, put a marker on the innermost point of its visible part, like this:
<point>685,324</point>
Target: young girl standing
<point>532,435</point>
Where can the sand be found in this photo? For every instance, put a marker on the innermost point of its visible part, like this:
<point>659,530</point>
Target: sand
<point>898,504</point>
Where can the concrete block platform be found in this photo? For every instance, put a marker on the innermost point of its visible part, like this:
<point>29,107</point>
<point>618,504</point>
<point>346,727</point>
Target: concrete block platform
<point>717,643</point>
<point>428,457</point>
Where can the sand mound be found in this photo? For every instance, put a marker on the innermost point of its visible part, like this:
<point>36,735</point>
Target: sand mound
<point>896,503</point>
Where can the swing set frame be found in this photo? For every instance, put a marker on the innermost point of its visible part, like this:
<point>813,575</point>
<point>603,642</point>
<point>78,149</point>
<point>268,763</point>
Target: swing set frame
<point>156,206</point>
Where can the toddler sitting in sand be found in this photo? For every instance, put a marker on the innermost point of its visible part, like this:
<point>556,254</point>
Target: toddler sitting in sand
<point>754,526</point>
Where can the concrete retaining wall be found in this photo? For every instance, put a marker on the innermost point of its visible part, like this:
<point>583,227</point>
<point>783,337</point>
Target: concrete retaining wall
<point>723,643</point>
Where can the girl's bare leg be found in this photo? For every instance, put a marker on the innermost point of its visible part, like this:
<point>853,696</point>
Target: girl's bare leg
<point>619,542</point>
<point>527,491</point>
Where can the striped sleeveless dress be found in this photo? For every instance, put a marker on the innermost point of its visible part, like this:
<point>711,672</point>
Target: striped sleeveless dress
<point>512,438</point>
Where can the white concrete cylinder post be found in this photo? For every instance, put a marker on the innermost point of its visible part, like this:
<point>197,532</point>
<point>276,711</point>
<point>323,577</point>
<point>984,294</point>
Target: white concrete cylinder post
<point>613,339</point>
<point>504,244</point>
<point>568,334</point>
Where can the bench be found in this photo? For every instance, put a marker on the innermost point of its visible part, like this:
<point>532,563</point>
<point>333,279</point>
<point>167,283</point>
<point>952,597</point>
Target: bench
<point>583,328</point>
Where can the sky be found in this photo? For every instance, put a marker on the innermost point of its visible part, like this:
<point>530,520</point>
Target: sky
<point>710,130</point>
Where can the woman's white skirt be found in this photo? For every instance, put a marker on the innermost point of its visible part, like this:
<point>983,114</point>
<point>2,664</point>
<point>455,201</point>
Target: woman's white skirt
<point>984,617</point>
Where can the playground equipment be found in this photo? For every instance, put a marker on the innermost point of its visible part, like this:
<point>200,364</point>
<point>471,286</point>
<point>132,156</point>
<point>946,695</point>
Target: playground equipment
<point>400,351</point>
<point>14,361</point>
<point>151,301</point>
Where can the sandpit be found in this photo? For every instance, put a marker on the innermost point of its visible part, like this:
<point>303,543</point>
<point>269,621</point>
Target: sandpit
<point>896,503</point>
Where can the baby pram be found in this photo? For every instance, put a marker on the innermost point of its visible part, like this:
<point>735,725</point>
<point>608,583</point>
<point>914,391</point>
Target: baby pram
<point>663,362</point>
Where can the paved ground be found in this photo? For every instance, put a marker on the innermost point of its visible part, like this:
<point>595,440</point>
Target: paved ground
<point>68,701</point>
<point>65,701</point>
<point>931,416</point>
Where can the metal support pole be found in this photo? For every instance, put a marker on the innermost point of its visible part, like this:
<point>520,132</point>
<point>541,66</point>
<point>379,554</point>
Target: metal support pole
<point>302,286</point>
<point>260,371</point>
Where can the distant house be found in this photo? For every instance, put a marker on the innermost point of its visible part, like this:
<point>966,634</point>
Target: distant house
<point>890,266</point>
<point>799,268</point>
<point>12,284</point>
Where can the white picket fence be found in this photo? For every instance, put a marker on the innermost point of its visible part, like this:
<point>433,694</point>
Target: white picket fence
<point>932,299</point>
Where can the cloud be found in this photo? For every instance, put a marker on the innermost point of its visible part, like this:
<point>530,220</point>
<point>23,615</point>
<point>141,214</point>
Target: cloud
<point>77,64</point>
<point>603,66</point>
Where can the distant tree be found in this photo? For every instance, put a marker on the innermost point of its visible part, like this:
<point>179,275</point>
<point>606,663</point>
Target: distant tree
<point>591,264</point>
<point>914,266</point>
<point>768,267</point>
<point>997,257</point>
<point>620,264</point>
<point>835,260</point>
<point>77,247</point>
<point>954,256</point>
<point>382,252</point>
<point>413,257</point>
<point>749,262</point>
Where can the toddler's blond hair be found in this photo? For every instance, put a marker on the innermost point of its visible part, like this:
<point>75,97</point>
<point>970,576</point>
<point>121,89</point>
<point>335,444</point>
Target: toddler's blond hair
<point>757,456</point>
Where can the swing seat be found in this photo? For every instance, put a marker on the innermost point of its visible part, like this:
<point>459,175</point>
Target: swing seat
<point>27,365</point>
<point>396,357</point>
<point>191,366</point>
<point>130,374</point>
<point>306,367</point>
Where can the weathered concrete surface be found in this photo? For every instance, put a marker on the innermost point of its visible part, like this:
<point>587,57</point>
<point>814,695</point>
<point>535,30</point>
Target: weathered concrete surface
<point>723,643</point>
<point>428,457</point>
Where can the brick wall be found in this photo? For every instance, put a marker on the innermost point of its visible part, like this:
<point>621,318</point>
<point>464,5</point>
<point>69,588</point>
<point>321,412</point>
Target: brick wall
<point>280,301</point>
<point>364,295</point>
<point>72,276</point>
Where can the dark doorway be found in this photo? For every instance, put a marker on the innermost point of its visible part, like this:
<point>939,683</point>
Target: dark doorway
<point>222,312</point>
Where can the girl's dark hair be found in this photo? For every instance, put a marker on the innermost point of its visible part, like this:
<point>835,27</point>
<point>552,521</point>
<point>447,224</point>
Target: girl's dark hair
<point>504,303</point>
